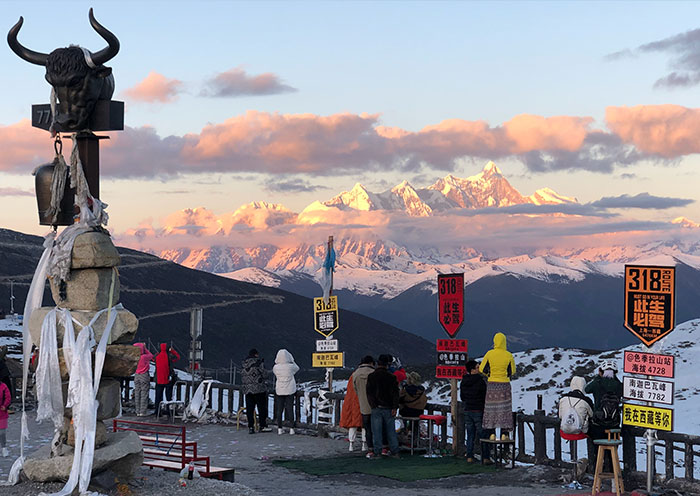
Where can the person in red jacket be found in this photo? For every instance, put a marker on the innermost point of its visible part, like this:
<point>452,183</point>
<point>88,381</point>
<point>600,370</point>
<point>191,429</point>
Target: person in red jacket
<point>165,374</point>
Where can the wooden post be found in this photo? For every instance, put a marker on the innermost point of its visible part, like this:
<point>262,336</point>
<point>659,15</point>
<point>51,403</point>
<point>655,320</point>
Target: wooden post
<point>557,446</point>
<point>230,399</point>
<point>297,406</point>
<point>668,460</point>
<point>629,451</point>
<point>689,461</point>
<point>458,446</point>
<point>540,437</point>
<point>521,435</point>
<point>221,399</point>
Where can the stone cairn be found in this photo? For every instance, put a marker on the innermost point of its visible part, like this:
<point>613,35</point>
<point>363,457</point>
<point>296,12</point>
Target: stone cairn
<point>87,291</point>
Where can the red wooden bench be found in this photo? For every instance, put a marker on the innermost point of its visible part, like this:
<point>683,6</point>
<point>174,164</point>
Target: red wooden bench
<point>166,446</point>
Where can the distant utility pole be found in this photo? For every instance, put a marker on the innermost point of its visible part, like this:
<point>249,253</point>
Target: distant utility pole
<point>12,297</point>
<point>196,347</point>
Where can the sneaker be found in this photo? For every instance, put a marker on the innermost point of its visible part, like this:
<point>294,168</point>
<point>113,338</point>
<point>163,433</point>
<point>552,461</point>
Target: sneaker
<point>280,431</point>
<point>266,429</point>
<point>5,452</point>
<point>291,432</point>
<point>370,455</point>
<point>492,437</point>
<point>351,446</point>
<point>364,446</point>
<point>251,431</point>
<point>385,452</point>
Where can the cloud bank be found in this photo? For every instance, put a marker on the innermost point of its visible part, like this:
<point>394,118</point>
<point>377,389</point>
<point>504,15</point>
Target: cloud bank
<point>284,144</point>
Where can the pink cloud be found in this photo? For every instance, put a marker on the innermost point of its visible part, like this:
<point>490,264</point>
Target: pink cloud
<point>287,143</point>
<point>155,88</point>
<point>534,132</point>
<point>668,131</point>
<point>24,147</point>
<point>275,143</point>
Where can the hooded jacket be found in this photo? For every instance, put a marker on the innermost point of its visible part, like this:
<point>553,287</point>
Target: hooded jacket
<point>163,364</point>
<point>576,399</point>
<point>253,376</point>
<point>284,371</point>
<point>472,392</point>
<point>145,360</point>
<point>413,396</point>
<point>359,380</point>
<point>498,363</point>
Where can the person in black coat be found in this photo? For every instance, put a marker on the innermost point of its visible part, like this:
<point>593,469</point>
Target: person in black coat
<point>472,392</point>
<point>383,398</point>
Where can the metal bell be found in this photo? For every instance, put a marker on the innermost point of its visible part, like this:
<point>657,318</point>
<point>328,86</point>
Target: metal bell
<point>43,178</point>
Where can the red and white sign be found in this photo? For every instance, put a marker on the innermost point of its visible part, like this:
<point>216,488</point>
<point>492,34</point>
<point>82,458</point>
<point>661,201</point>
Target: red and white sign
<point>453,345</point>
<point>451,358</point>
<point>637,362</point>
<point>451,302</point>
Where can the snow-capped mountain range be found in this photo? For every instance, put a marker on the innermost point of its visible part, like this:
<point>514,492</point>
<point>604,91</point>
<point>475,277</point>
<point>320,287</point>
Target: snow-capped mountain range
<point>376,265</point>
<point>489,188</point>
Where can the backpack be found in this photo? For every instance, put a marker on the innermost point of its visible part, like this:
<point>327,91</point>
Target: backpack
<point>570,420</point>
<point>609,414</point>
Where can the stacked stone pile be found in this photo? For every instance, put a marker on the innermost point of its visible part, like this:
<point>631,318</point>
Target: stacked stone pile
<point>85,292</point>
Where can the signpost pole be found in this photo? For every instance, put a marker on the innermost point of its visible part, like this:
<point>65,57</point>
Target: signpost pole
<point>330,370</point>
<point>650,315</point>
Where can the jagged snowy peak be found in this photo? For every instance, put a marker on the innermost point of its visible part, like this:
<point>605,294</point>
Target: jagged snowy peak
<point>489,188</point>
<point>256,276</point>
<point>547,196</point>
<point>685,222</point>
<point>404,197</point>
<point>358,198</point>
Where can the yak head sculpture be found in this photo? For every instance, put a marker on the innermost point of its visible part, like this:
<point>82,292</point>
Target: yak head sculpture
<point>77,75</point>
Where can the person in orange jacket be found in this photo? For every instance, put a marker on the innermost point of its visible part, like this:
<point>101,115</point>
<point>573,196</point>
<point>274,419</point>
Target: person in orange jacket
<point>350,415</point>
<point>165,373</point>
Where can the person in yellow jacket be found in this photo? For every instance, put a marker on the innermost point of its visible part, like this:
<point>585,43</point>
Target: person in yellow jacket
<point>498,365</point>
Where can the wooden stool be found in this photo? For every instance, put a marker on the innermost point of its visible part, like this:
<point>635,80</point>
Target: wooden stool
<point>610,444</point>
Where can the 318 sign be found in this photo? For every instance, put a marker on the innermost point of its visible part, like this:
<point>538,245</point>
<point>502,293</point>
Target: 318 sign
<point>451,302</point>
<point>649,301</point>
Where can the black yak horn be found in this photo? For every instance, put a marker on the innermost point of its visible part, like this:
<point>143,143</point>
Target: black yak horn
<point>23,52</point>
<point>99,58</point>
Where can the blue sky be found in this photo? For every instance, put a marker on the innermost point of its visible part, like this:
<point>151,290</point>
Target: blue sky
<point>415,64</point>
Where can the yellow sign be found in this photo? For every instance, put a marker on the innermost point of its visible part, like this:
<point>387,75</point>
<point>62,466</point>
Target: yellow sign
<point>649,417</point>
<point>326,315</point>
<point>330,359</point>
